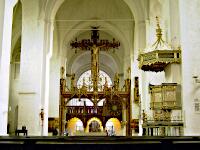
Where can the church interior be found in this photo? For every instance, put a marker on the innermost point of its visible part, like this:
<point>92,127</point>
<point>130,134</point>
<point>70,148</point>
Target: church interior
<point>99,68</point>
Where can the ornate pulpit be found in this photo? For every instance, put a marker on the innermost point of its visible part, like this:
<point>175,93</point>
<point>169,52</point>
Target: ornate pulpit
<point>165,99</point>
<point>156,57</point>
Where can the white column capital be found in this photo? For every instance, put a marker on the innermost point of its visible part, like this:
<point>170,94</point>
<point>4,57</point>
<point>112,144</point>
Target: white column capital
<point>11,3</point>
<point>147,21</point>
<point>140,22</point>
<point>23,1</point>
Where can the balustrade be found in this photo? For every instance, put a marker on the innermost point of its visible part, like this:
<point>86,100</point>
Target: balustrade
<point>164,104</point>
<point>80,110</point>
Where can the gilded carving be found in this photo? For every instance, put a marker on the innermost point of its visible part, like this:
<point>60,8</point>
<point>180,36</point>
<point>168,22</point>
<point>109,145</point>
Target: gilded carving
<point>114,97</point>
<point>160,54</point>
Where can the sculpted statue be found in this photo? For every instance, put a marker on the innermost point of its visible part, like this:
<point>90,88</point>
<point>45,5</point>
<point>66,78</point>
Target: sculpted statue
<point>116,81</point>
<point>73,82</point>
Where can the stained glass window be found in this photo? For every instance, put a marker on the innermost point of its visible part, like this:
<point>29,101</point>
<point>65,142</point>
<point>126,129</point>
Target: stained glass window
<point>79,125</point>
<point>88,82</point>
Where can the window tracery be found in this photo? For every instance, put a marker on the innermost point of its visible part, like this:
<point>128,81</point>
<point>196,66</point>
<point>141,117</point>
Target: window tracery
<point>85,78</point>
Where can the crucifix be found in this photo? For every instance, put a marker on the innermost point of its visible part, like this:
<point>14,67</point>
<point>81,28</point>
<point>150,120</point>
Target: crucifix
<point>95,45</point>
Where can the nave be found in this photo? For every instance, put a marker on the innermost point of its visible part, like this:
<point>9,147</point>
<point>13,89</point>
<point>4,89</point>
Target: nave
<point>99,68</point>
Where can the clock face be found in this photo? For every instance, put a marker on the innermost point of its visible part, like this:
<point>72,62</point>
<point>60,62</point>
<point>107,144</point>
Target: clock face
<point>114,107</point>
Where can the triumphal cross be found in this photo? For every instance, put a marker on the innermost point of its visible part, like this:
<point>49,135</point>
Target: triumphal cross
<point>95,45</point>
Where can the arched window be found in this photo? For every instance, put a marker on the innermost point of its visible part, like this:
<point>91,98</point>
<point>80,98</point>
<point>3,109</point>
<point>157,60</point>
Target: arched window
<point>88,81</point>
<point>79,125</point>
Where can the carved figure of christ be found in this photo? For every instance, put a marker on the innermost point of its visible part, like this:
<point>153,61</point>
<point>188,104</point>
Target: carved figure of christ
<point>95,66</point>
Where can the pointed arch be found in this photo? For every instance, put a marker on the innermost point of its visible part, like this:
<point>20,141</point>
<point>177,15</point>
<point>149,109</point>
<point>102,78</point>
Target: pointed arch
<point>93,119</point>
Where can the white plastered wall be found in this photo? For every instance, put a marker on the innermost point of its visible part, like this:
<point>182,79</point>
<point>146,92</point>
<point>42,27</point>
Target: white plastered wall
<point>190,43</point>
<point>54,79</point>
<point>15,69</point>
<point>36,52</point>
<point>6,15</point>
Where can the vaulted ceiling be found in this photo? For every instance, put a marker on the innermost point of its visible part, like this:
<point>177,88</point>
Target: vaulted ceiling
<point>115,20</point>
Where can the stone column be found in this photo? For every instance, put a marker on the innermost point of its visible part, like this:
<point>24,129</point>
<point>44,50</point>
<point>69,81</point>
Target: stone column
<point>139,44</point>
<point>48,48</point>
<point>173,71</point>
<point>190,43</point>
<point>174,22</point>
<point>32,70</point>
<point>6,15</point>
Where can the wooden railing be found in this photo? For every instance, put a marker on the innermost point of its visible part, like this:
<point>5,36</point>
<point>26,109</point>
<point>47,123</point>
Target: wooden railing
<point>165,105</point>
<point>157,60</point>
<point>80,110</point>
